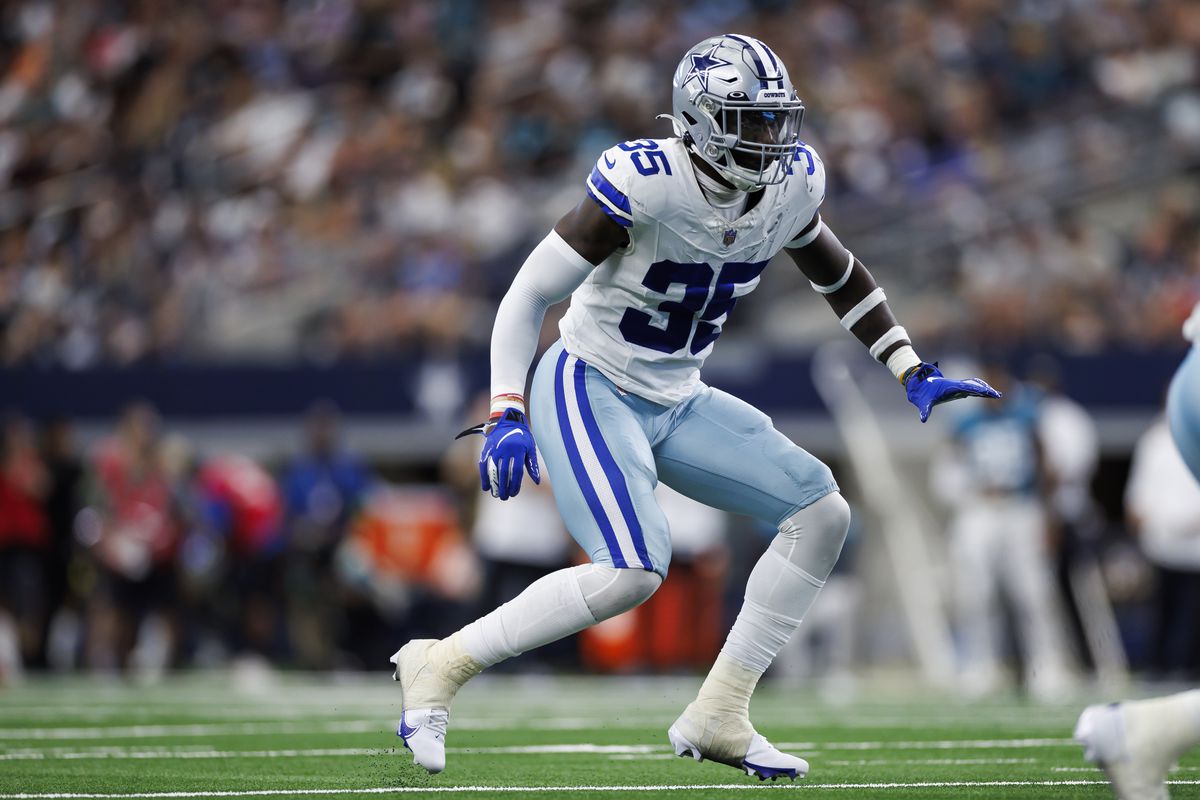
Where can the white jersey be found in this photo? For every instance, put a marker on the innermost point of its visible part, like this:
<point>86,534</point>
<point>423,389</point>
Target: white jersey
<point>648,315</point>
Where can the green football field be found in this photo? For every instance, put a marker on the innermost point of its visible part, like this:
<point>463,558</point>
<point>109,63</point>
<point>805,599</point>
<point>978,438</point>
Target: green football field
<point>538,737</point>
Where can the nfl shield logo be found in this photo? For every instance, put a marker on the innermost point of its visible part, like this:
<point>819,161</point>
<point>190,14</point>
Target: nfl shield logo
<point>728,238</point>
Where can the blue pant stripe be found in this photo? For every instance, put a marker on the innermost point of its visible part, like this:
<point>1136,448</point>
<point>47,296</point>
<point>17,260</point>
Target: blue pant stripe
<point>616,478</point>
<point>581,476</point>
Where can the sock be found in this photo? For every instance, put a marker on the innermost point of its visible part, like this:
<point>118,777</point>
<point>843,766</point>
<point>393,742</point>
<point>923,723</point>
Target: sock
<point>554,606</point>
<point>727,688</point>
<point>785,581</point>
<point>551,607</point>
<point>1175,720</point>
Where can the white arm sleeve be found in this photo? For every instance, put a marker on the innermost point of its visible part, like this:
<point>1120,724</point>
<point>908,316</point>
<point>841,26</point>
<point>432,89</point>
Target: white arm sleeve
<point>552,271</point>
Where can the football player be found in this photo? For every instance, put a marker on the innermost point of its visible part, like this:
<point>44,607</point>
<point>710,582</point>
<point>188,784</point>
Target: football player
<point>1136,743</point>
<point>670,233</point>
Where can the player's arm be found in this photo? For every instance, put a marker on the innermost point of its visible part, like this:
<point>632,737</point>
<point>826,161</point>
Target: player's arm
<point>851,291</point>
<point>556,267</point>
<point>861,305</point>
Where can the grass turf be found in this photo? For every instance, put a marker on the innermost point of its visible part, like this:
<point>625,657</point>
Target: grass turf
<point>328,736</point>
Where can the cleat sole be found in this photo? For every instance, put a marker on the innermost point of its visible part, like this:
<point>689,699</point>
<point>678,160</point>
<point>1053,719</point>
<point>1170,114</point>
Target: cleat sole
<point>768,772</point>
<point>683,748</point>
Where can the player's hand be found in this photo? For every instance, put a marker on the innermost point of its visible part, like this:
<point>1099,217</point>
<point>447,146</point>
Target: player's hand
<point>508,451</point>
<point>926,387</point>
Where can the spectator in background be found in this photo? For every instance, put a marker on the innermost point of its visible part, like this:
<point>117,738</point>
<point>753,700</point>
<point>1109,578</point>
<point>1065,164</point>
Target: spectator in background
<point>24,542</point>
<point>132,530</point>
<point>323,486</point>
<point>241,515</point>
<point>1070,449</point>
<point>63,501</point>
<point>992,479</point>
<point>1162,504</point>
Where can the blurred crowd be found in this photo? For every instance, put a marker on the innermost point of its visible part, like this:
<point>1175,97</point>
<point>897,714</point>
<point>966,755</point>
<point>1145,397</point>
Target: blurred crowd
<point>135,553</point>
<point>318,179</point>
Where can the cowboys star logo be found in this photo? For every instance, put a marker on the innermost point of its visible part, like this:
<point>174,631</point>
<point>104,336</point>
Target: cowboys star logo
<point>703,64</point>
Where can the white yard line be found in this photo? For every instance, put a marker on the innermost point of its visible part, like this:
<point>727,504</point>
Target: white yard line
<point>202,729</point>
<point>940,744</point>
<point>728,787</point>
<point>119,753</point>
<point>380,726</point>
<point>312,726</point>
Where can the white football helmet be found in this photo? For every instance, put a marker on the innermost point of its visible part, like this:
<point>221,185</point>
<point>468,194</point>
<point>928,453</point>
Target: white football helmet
<point>735,106</point>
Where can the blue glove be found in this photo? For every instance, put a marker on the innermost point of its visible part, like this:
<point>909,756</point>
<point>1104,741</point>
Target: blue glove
<point>508,451</point>
<point>926,387</point>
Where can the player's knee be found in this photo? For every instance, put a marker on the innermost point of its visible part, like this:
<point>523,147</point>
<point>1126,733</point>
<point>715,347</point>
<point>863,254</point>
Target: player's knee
<point>609,591</point>
<point>814,535</point>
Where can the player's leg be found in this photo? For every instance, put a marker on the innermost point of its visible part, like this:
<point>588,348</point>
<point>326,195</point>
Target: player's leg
<point>1137,742</point>
<point>973,553</point>
<point>1183,410</point>
<point>594,448</point>
<point>727,454</point>
<point>1029,583</point>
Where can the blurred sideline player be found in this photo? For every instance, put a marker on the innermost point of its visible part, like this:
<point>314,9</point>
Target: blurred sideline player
<point>998,541</point>
<point>1162,509</point>
<point>1137,742</point>
<point>670,233</point>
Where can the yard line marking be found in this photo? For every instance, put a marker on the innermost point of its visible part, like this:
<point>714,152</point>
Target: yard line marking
<point>201,729</point>
<point>283,726</point>
<point>876,762</point>
<point>942,744</point>
<point>118,752</point>
<point>531,789</point>
<point>379,726</point>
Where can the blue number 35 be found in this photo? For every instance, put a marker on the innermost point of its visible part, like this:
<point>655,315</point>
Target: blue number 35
<point>697,306</point>
<point>655,159</point>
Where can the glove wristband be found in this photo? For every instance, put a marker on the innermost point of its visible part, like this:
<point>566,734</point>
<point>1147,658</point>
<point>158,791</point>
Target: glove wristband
<point>908,373</point>
<point>901,362</point>
<point>503,402</point>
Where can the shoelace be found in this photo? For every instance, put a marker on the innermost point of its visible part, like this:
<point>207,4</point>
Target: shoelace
<point>437,721</point>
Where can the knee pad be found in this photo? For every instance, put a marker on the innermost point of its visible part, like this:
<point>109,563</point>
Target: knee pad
<point>813,537</point>
<point>609,591</point>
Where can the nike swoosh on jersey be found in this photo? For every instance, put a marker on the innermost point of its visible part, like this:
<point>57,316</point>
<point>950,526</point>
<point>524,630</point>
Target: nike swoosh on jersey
<point>609,162</point>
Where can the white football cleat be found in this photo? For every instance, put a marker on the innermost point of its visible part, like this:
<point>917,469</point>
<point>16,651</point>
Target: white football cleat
<point>424,733</point>
<point>1126,748</point>
<point>428,682</point>
<point>731,740</point>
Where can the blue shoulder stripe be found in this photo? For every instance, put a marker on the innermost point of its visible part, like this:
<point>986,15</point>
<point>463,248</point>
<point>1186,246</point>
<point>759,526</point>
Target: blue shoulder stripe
<point>614,194</point>
<point>623,221</point>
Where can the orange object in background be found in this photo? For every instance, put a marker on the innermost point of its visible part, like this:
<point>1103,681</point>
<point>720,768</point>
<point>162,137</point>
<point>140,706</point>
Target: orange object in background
<point>412,536</point>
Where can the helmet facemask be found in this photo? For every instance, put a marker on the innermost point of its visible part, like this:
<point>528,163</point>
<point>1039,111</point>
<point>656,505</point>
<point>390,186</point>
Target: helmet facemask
<point>757,140</point>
